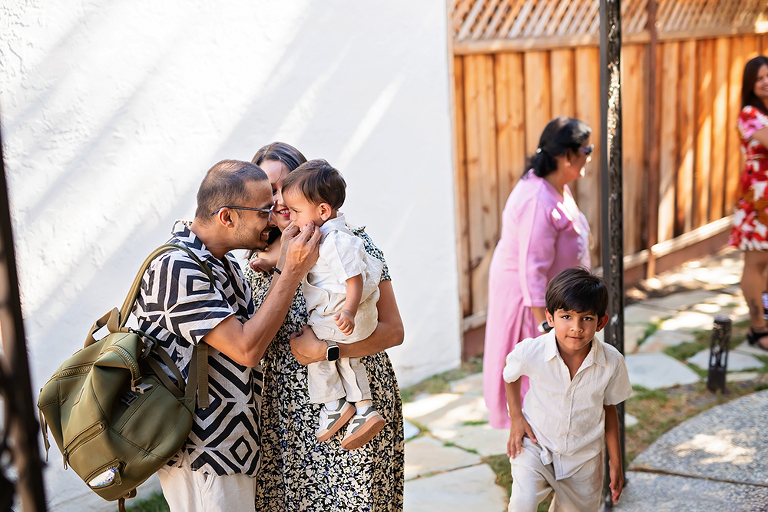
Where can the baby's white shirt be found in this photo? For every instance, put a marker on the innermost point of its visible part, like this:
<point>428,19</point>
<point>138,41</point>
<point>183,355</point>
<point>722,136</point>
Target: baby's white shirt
<point>342,255</point>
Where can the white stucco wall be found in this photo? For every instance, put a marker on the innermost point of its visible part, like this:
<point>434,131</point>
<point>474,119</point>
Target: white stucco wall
<point>113,111</point>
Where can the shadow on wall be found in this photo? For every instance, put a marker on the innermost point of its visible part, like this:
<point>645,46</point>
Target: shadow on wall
<point>132,110</point>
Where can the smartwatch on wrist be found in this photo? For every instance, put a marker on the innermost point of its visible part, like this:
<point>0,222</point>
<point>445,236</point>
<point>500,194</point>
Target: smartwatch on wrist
<point>332,353</point>
<point>544,327</point>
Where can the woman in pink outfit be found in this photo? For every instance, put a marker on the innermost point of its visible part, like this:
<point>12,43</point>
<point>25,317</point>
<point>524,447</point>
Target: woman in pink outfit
<point>543,232</point>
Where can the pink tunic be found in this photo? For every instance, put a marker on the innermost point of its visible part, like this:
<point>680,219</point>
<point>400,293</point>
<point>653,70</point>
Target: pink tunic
<point>542,234</point>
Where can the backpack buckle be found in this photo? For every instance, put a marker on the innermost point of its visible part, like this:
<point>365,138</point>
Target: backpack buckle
<point>140,387</point>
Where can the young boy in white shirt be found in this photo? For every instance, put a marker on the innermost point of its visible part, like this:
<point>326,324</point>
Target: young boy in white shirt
<point>556,439</point>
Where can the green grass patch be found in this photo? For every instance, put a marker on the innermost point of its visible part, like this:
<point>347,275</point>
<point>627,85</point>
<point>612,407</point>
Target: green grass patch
<point>501,466</point>
<point>651,327</point>
<point>701,372</point>
<point>155,503</point>
<point>764,360</point>
<point>649,394</point>
<point>686,349</point>
<point>469,423</point>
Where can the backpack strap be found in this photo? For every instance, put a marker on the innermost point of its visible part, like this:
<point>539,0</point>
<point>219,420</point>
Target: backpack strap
<point>133,293</point>
<point>121,500</point>
<point>203,401</point>
<point>115,321</point>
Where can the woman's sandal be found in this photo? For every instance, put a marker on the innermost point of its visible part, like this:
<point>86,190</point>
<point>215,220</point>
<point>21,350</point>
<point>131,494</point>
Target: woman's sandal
<point>753,338</point>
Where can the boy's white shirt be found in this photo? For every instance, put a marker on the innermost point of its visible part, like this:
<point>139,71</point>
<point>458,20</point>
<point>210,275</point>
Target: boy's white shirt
<point>567,416</point>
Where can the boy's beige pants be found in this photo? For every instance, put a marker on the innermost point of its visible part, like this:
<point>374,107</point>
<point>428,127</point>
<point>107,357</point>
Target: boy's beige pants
<point>532,481</point>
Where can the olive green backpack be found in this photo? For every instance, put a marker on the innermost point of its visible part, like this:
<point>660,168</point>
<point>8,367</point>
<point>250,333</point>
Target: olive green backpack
<point>114,413</point>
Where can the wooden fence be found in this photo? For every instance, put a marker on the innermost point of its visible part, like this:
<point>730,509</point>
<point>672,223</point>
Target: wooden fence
<point>519,63</point>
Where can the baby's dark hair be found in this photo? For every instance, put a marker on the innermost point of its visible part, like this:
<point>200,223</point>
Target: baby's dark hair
<point>577,289</point>
<point>317,181</point>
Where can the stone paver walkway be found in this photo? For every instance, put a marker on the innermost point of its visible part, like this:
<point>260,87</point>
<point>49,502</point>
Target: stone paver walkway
<point>717,460</point>
<point>714,460</point>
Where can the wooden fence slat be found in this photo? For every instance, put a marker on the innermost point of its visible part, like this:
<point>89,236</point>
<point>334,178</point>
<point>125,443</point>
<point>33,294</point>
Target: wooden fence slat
<point>692,16</point>
<point>705,76</point>
<point>537,97</point>
<point>662,13</point>
<point>572,18</point>
<point>675,14</point>
<point>707,14</point>
<point>470,21</point>
<point>514,13</point>
<point>557,17</point>
<point>751,45</point>
<point>588,110</point>
<point>482,186</point>
<point>689,12</point>
<point>522,17</point>
<point>482,20</point>
<point>668,143</point>
<point>459,13</point>
<point>562,78</point>
<point>539,12</point>
<point>719,128</point>
<point>733,163</point>
<point>687,136</point>
<point>501,11</point>
<point>595,26</point>
<point>638,20</point>
<point>460,187</point>
<point>510,122</point>
<point>633,82</point>
<point>540,25</point>
<point>591,19</point>
<point>475,20</point>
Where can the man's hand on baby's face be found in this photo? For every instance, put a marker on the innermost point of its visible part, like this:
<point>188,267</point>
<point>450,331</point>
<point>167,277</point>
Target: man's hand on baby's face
<point>302,249</point>
<point>345,321</point>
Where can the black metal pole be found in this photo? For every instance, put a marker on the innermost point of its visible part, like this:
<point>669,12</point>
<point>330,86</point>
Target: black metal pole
<point>16,388</point>
<point>613,229</point>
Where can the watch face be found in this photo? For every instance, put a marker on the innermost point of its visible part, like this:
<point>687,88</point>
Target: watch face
<point>332,354</point>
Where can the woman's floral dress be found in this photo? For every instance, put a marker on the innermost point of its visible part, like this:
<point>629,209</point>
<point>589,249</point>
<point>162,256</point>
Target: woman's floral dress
<point>750,220</point>
<point>297,471</point>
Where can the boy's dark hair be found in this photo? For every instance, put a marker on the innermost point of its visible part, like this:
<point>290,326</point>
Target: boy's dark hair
<point>318,182</point>
<point>577,289</point>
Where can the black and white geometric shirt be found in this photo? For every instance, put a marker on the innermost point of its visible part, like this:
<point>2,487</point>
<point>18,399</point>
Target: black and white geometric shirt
<point>179,306</point>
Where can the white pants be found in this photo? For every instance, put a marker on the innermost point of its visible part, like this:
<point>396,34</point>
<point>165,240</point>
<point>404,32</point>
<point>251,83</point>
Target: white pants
<point>192,491</point>
<point>532,481</point>
<point>331,380</point>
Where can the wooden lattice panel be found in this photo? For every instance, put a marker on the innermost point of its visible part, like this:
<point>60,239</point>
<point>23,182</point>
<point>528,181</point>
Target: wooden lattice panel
<point>473,20</point>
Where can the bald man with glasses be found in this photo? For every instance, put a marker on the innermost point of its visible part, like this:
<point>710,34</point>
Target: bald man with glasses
<point>180,307</point>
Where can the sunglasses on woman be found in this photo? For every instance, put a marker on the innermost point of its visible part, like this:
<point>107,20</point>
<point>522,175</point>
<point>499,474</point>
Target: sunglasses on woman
<point>587,150</point>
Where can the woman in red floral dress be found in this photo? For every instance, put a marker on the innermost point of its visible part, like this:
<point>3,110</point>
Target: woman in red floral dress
<point>750,220</point>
